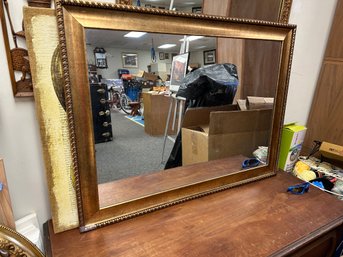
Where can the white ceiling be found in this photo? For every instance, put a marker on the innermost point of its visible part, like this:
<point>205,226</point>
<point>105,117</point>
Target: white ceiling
<point>108,38</point>
<point>116,39</point>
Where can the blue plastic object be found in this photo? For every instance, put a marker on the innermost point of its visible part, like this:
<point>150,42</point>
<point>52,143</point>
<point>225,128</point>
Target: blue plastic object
<point>318,184</point>
<point>250,163</point>
<point>1,186</point>
<point>132,93</point>
<point>122,71</point>
<point>299,189</point>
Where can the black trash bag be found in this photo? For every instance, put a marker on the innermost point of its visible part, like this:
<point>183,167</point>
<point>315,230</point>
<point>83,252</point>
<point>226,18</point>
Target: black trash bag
<point>214,85</point>
<point>205,87</point>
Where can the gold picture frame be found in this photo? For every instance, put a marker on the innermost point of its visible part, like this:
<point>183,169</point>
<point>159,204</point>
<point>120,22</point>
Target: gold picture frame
<point>130,60</point>
<point>73,18</point>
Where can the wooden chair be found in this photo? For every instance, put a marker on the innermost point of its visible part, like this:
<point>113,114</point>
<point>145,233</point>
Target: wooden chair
<point>135,106</point>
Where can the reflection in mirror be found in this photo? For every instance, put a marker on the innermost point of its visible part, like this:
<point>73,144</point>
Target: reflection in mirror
<point>134,96</point>
<point>194,6</point>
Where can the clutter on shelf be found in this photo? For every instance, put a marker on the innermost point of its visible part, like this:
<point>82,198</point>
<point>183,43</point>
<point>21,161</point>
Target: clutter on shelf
<point>261,154</point>
<point>323,175</point>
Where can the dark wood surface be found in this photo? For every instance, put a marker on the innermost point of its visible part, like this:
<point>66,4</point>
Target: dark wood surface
<point>335,46</point>
<point>123,190</point>
<point>326,116</point>
<point>257,219</point>
<point>252,57</point>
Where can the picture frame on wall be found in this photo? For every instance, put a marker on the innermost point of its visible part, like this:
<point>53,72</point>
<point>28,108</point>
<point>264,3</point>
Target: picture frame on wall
<point>209,57</point>
<point>130,60</point>
<point>161,55</point>
<point>100,58</point>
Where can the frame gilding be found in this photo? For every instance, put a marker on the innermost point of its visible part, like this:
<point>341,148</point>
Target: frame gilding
<point>73,17</point>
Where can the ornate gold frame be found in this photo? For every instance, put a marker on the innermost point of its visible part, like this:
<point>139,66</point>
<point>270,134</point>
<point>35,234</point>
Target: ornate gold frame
<point>285,11</point>
<point>16,245</point>
<point>72,18</point>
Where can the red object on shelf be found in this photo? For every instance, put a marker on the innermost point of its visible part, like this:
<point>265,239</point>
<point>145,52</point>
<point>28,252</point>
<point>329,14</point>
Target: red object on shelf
<point>126,76</point>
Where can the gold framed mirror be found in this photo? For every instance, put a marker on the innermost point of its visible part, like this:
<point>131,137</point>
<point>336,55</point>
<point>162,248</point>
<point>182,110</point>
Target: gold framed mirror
<point>102,204</point>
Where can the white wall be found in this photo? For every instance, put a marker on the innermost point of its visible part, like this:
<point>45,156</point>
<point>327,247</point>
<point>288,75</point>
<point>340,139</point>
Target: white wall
<point>197,57</point>
<point>20,144</point>
<point>114,60</point>
<point>313,19</point>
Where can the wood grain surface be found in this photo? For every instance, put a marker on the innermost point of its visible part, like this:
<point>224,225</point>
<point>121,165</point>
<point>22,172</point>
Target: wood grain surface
<point>252,57</point>
<point>266,10</point>
<point>260,68</point>
<point>6,212</point>
<point>134,187</point>
<point>335,46</point>
<point>257,219</point>
<point>218,7</point>
<point>326,116</point>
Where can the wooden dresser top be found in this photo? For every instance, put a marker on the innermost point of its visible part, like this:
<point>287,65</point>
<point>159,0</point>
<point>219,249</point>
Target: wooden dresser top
<point>257,219</point>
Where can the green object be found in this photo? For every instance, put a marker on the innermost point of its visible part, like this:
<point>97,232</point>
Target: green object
<point>291,142</point>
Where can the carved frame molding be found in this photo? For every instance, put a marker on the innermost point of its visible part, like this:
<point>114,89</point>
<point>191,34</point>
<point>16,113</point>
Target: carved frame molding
<point>84,224</point>
<point>285,11</point>
<point>15,245</point>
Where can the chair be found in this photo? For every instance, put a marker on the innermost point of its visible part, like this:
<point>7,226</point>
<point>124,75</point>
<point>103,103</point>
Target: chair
<point>135,106</point>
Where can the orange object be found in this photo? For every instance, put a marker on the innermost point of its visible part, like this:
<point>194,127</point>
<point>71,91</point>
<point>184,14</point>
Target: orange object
<point>126,76</point>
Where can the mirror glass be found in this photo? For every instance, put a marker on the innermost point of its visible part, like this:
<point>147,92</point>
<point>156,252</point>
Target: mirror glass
<point>222,111</point>
<point>178,5</point>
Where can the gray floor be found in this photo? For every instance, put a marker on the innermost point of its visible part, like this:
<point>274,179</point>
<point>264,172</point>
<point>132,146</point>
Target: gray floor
<point>132,152</point>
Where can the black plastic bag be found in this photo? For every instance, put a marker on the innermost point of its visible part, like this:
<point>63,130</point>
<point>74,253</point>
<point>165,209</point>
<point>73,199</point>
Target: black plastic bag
<point>209,86</point>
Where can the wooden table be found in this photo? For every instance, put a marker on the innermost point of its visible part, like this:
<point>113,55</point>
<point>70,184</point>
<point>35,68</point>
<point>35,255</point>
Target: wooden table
<point>156,108</point>
<point>257,219</point>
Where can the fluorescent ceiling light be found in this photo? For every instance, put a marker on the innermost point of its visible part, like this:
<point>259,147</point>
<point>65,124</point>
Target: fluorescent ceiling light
<point>192,38</point>
<point>165,46</point>
<point>135,34</point>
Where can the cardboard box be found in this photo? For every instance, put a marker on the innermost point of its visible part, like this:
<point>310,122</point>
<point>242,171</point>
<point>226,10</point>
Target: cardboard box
<point>331,151</point>
<point>255,102</point>
<point>219,132</point>
<point>291,142</point>
<point>146,75</point>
